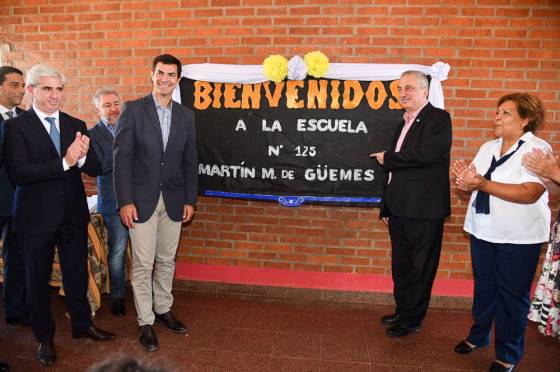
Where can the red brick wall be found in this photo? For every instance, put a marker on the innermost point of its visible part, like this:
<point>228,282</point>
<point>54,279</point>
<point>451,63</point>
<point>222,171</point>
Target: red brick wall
<point>493,46</point>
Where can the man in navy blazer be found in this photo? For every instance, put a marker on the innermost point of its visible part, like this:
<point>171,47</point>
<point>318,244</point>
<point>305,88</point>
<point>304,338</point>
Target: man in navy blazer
<point>12,89</point>
<point>156,178</point>
<point>107,106</point>
<point>45,153</point>
<point>416,201</point>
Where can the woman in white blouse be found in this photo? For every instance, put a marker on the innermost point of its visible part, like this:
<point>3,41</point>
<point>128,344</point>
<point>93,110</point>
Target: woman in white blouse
<point>508,219</point>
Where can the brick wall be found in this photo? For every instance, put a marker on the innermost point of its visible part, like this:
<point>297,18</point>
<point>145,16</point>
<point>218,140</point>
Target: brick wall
<point>493,46</point>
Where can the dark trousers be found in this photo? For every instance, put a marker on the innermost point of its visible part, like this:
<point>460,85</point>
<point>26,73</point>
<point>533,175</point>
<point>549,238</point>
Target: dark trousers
<point>416,247</point>
<point>39,254</point>
<point>14,273</point>
<point>502,282</point>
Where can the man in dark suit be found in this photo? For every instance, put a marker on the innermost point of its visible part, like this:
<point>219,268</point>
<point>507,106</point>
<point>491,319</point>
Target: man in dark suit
<point>108,107</point>
<point>155,172</point>
<point>45,152</point>
<point>12,89</point>
<point>416,201</point>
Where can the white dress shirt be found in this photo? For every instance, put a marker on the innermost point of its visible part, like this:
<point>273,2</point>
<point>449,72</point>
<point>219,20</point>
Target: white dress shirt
<point>510,222</point>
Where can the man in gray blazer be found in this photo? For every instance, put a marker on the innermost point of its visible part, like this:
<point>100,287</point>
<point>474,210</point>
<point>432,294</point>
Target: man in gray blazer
<point>156,181</point>
<point>108,108</point>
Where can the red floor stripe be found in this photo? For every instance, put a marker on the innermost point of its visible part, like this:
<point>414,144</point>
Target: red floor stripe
<point>315,280</point>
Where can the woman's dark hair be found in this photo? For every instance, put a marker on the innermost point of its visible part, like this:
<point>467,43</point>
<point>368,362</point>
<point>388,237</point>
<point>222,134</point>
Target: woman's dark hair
<point>528,107</point>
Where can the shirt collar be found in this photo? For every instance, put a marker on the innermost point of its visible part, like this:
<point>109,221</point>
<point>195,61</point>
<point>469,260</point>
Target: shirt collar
<point>528,136</point>
<point>4,110</point>
<point>42,115</point>
<point>107,124</point>
<point>158,106</point>
<point>415,113</point>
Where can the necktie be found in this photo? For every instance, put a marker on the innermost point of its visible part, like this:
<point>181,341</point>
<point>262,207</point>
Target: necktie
<point>10,114</point>
<point>54,133</point>
<point>482,201</point>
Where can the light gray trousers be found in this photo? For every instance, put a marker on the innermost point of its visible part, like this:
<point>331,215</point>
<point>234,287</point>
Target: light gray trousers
<point>154,246</point>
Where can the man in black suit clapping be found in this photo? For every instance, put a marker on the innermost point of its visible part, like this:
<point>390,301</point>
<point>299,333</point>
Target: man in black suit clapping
<point>45,153</point>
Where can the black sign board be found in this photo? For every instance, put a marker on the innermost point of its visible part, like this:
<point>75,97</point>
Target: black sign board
<point>297,141</point>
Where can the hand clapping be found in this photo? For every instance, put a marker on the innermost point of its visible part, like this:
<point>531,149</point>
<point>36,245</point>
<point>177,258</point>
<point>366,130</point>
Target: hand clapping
<point>545,165</point>
<point>77,149</point>
<point>467,178</point>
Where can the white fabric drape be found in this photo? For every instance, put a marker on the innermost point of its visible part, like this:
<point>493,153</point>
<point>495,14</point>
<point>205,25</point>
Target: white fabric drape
<point>251,74</point>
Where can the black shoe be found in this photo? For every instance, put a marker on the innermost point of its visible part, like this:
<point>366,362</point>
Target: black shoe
<point>117,307</point>
<point>4,367</point>
<point>46,354</point>
<point>18,320</point>
<point>390,319</point>
<point>94,333</point>
<point>464,348</point>
<point>172,323</point>
<point>148,338</point>
<point>498,367</point>
<point>398,330</point>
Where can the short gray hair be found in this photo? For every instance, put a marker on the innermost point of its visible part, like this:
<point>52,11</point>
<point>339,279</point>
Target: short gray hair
<point>103,92</point>
<point>36,72</point>
<point>420,76</point>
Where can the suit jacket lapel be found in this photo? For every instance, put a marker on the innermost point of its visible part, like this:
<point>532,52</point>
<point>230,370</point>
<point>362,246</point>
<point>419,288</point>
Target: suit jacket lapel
<point>150,106</point>
<point>397,134</point>
<point>105,132</point>
<point>34,120</point>
<point>67,135</point>
<point>174,125</point>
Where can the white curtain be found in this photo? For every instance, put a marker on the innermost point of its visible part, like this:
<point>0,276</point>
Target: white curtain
<point>251,74</point>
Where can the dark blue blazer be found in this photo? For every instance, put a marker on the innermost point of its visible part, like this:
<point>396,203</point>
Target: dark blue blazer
<point>102,142</point>
<point>142,170</point>
<point>46,196</point>
<point>6,185</point>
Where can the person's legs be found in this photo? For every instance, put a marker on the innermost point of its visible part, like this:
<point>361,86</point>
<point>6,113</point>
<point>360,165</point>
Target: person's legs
<point>515,269</point>
<point>143,238</point>
<point>416,247</point>
<point>427,236</point>
<point>169,232</point>
<point>483,257</point>
<point>15,307</point>
<point>73,254</point>
<point>39,255</point>
<point>118,238</point>
<point>401,262</point>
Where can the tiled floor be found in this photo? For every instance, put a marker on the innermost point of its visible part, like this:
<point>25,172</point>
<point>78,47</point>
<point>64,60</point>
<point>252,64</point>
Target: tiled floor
<point>248,334</point>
